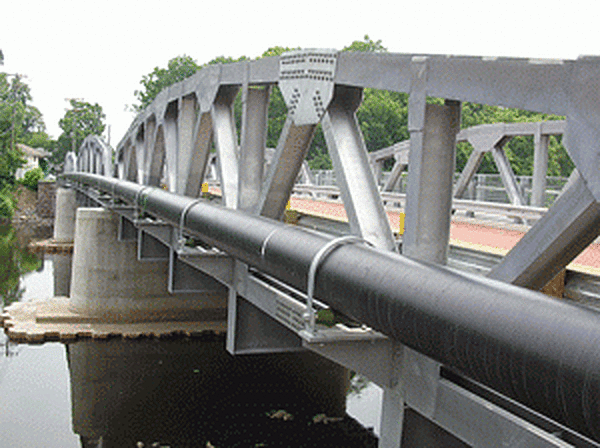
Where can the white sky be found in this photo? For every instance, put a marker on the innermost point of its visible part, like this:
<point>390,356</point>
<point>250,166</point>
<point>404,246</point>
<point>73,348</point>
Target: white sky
<point>99,51</point>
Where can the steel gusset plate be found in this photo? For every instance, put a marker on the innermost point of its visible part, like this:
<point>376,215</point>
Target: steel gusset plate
<point>306,83</point>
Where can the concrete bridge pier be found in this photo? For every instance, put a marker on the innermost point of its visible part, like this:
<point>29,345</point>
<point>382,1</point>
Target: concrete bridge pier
<point>64,219</point>
<point>109,282</point>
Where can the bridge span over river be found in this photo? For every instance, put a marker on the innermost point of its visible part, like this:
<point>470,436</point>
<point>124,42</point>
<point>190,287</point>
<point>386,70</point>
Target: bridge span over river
<point>486,357</point>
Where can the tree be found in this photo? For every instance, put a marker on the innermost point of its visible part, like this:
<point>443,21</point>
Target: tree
<point>366,45</point>
<point>81,120</point>
<point>18,120</point>
<point>15,261</point>
<point>178,69</point>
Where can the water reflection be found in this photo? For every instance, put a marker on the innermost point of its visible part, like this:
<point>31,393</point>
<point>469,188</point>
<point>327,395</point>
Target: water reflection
<point>62,274</point>
<point>192,392</point>
<point>15,260</point>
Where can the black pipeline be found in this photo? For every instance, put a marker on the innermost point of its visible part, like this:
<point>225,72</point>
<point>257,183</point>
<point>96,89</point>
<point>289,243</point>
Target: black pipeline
<point>542,352</point>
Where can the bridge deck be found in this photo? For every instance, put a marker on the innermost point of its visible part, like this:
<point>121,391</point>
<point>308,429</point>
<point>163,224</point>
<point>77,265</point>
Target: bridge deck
<point>476,234</point>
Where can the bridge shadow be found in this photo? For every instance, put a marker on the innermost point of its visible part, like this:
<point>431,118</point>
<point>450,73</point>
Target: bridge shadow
<point>191,392</point>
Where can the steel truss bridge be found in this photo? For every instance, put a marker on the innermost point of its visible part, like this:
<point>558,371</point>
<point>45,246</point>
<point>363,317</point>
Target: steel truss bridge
<point>487,358</point>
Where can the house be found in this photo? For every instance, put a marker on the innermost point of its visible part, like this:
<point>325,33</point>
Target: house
<point>32,157</point>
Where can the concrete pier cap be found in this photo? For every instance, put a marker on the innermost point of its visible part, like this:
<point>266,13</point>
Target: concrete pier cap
<point>109,281</point>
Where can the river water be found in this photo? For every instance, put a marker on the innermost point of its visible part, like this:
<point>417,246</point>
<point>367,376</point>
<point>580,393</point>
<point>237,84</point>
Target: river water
<point>154,393</point>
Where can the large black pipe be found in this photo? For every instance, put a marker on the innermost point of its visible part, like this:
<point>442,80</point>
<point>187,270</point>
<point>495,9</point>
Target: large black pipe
<point>543,352</point>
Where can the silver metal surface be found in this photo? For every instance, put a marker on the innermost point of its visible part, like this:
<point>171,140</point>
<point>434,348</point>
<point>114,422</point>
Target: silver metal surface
<point>225,138</point>
<point>540,167</point>
<point>200,155</point>
<point>95,156</point>
<point>508,176</point>
<point>185,141</point>
<point>310,313</point>
<point>429,194</point>
<point>306,83</point>
<point>349,156</point>
<point>252,151</point>
<point>291,151</point>
<point>169,127</point>
<point>150,248</point>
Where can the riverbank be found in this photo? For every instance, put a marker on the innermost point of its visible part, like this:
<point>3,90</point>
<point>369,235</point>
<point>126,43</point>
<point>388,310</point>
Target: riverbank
<point>33,219</point>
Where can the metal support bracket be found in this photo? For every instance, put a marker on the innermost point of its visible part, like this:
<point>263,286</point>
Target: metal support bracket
<point>136,202</point>
<point>309,315</point>
<point>180,241</point>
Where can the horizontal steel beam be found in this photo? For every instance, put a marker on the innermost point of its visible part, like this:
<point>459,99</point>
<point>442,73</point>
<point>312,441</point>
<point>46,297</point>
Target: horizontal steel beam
<point>543,352</point>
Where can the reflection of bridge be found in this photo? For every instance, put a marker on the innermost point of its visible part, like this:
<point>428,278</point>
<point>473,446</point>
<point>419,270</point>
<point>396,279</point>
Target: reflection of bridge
<point>491,362</point>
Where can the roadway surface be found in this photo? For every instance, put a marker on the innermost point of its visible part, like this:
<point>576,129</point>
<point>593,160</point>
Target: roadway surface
<point>481,234</point>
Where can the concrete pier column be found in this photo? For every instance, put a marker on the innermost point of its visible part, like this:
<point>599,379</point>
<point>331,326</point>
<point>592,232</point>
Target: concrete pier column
<point>64,218</point>
<point>108,279</point>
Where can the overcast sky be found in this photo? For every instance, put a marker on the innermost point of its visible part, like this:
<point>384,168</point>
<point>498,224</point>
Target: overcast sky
<point>99,51</point>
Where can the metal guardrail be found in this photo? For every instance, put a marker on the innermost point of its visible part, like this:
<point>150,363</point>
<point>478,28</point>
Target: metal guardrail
<point>399,199</point>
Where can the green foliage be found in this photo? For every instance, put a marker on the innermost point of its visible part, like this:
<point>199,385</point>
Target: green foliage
<point>18,120</point>
<point>366,45</point>
<point>383,118</point>
<point>223,60</point>
<point>277,51</point>
<point>40,139</point>
<point>81,120</point>
<point>321,161</point>
<point>10,162</point>
<point>178,69</point>
<point>32,177</point>
<point>7,205</point>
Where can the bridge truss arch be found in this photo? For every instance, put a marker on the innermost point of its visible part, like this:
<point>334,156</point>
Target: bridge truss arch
<point>95,156</point>
<point>171,142</point>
